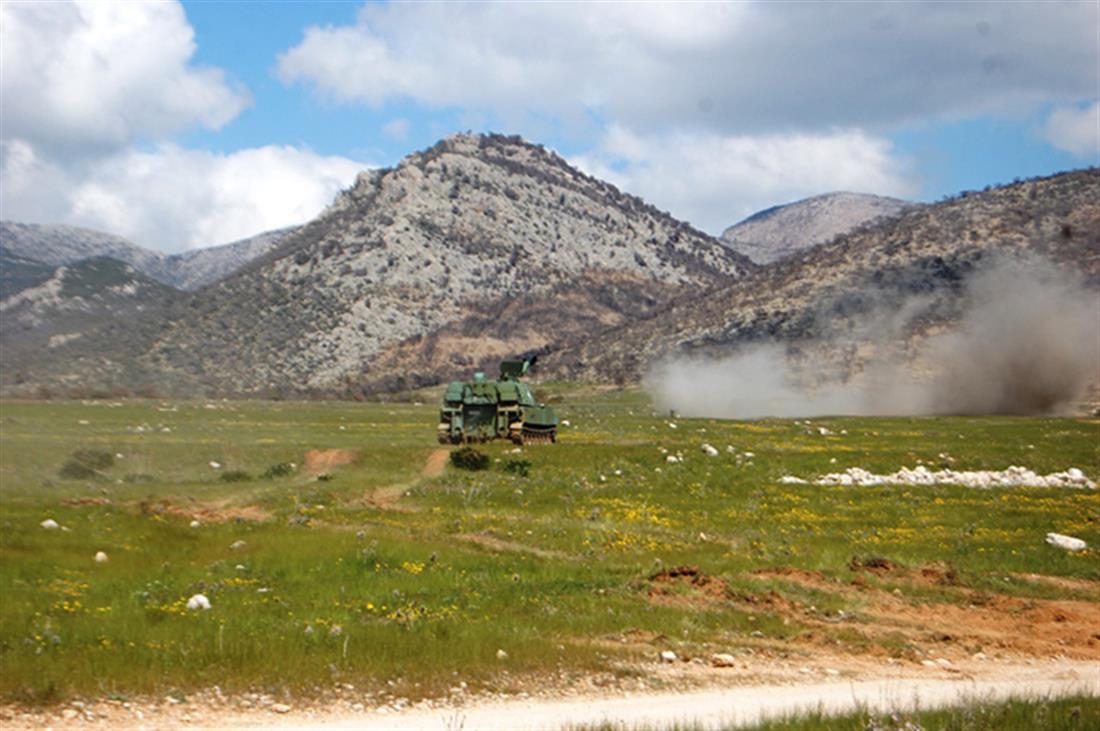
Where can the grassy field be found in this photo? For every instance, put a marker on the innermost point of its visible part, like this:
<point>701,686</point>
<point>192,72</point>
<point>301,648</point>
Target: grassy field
<point>386,575</point>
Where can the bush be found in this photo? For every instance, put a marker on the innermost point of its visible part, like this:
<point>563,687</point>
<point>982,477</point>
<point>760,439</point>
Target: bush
<point>236,476</point>
<point>521,467</point>
<point>469,458</point>
<point>281,469</point>
<point>85,463</point>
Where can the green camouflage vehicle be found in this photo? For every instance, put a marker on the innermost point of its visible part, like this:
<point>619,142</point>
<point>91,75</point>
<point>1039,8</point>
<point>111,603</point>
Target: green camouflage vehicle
<point>480,410</point>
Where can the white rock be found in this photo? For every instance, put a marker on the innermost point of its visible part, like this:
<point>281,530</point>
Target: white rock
<point>215,465</point>
<point>565,422</point>
<point>280,708</point>
<point>672,459</point>
<point>49,524</point>
<point>502,655</point>
<point>1069,543</point>
<point>237,545</point>
<point>791,480</point>
<point>100,557</point>
<point>722,660</point>
<point>195,524</point>
<point>198,601</point>
<point>668,656</point>
<point>710,451</point>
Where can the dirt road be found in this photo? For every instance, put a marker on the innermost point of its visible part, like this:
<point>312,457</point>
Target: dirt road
<point>713,709</point>
<point>709,709</point>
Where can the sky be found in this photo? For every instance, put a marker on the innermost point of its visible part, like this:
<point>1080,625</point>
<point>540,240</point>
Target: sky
<point>184,125</point>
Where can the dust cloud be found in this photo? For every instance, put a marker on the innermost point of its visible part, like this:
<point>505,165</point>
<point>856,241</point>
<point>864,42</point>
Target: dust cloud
<point>1026,340</point>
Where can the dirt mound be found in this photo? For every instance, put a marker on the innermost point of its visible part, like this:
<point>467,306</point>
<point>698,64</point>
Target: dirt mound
<point>320,461</point>
<point>687,584</point>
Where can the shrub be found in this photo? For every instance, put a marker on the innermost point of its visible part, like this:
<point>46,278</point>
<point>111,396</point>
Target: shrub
<point>282,469</point>
<point>85,463</point>
<point>236,476</point>
<point>521,467</point>
<point>469,458</point>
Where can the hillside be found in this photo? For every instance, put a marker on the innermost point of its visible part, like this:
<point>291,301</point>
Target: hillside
<point>69,329</point>
<point>51,245</point>
<point>780,231</point>
<point>821,297</point>
<point>470,229</point>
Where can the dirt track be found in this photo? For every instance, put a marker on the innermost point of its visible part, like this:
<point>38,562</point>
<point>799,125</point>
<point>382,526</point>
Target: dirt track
<point>885,690</point>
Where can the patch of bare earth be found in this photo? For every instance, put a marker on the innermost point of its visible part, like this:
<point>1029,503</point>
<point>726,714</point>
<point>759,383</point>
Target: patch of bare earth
<point>206,511</point>
<point>321,461</point>
<point>388,498</point>
<point>974,624</point>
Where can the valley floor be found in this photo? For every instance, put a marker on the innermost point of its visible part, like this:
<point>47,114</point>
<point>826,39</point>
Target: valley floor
<point>355,576</point>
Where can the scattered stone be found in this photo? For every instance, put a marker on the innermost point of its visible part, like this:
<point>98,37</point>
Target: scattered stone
<point>791,480</point>
<point>335,630</point>
<point>502,655</point>
<point>672,459</point>
<point>722,660</point>
<point>565,422</point>
<point>710,451</point>
<point>237,545</point>
<point>69,714</point>
<point>928,663</point>
<point>668,656</point>
<point>1013,476</point>
<point>280,708</point>
<point>198,601</point>
<point>1069,543</point>
<point>49,524</point>
<point>195,524</point>
<point>832,671</point>
<point>215,465</point>
<point>100,557</point>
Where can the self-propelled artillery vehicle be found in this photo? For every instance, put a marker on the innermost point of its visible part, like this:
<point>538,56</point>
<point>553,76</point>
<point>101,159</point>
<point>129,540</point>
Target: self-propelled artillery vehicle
<point>480,410</point>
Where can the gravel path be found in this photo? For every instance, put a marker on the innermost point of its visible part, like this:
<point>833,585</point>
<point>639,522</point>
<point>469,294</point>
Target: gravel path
<point>709,709</point>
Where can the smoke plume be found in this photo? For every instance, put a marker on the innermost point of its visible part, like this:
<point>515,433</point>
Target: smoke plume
<point>1025,339</point>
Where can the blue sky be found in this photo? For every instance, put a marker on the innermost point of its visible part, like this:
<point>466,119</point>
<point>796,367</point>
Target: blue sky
<point>189,125</point>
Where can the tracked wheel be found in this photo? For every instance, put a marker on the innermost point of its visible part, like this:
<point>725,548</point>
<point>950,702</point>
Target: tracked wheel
<point>536,435</point>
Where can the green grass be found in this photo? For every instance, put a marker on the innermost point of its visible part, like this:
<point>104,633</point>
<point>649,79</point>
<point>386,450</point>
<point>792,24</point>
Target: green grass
<point>562,553</point>
<point>1073,713</point>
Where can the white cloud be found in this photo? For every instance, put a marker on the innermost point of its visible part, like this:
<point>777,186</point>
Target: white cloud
<point>734,68</point>
<point>90,77</point>
<point>1075,130</point>
<point>172,198</point>
<point>715,180</point>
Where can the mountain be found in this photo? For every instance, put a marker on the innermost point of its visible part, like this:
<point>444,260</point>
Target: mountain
<point>197,268</point>
<point>57,244</point>
<point>780,231</point>
<point>454,231</point>
<point>477,230</point>
<point>54,245</point>
<point>18,272</point>
<point>76,321</point>
<point>828,291</point>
